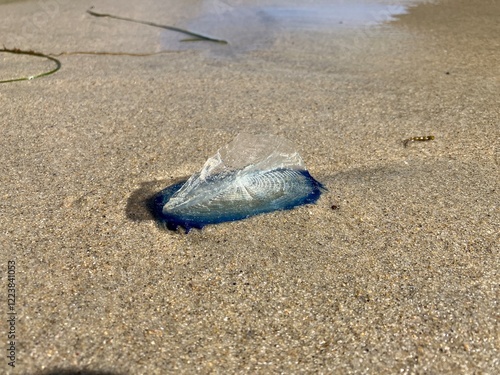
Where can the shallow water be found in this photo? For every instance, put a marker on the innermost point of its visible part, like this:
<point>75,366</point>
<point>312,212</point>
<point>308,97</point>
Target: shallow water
<point>257,25</point>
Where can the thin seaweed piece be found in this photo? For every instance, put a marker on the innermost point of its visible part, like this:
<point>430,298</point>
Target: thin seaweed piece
<point>31,53</point>
<point>104,53</point>
<point>249,176</point>
<point>196,36</point>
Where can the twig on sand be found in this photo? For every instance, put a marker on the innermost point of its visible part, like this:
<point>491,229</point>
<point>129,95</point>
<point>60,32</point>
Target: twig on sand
<point>418,139</point>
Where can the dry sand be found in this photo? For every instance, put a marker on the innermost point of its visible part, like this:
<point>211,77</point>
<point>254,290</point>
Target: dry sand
<point>401,278</point>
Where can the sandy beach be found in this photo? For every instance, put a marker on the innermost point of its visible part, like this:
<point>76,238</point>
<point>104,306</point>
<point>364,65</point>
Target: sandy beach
<point>400,276</point>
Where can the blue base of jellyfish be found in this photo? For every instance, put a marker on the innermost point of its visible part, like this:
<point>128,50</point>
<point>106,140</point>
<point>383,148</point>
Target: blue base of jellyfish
<point>284,189</point>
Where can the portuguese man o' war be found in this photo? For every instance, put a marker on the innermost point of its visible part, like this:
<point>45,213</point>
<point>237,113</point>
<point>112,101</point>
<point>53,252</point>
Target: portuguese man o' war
<point>251,175</point>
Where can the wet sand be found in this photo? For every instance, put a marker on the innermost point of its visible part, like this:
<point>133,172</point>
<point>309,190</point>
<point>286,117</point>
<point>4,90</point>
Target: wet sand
<point>401,278</point>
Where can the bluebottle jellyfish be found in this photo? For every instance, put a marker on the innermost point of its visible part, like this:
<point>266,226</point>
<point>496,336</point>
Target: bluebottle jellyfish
<point>251,175</point>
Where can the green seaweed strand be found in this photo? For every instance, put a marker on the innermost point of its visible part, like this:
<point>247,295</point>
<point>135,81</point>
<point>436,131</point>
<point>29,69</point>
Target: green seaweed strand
<point>187,32</point>
<point>104,53</point>
<point>31,53</point>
